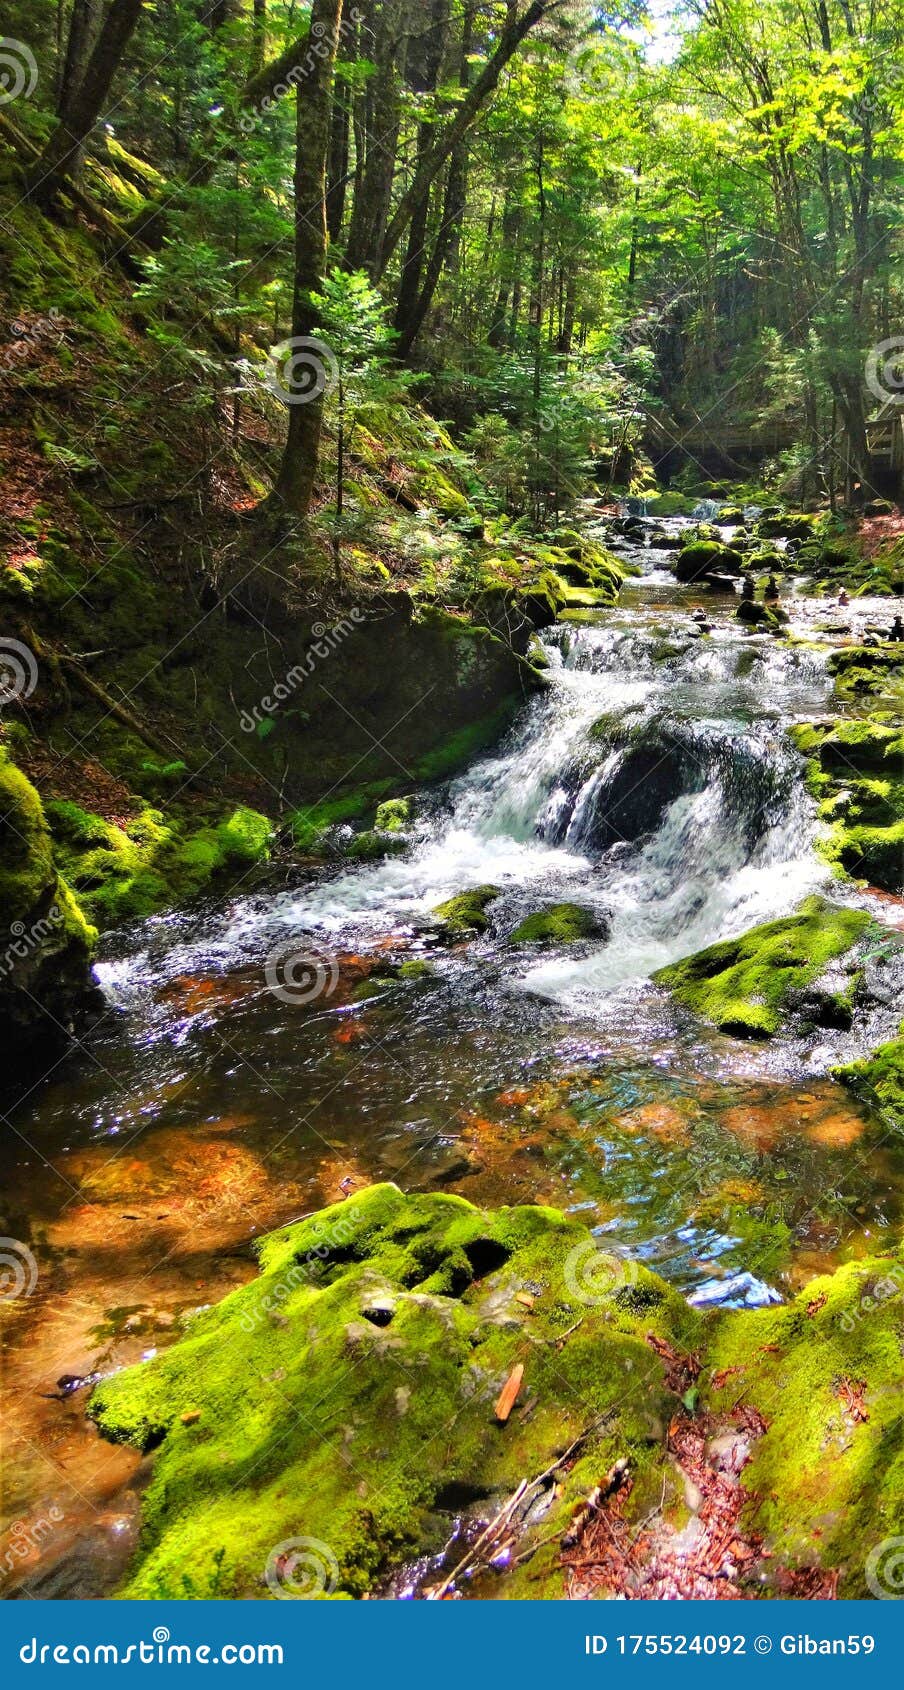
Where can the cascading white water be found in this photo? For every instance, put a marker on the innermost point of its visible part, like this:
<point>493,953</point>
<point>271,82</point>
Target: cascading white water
<point>730,844</point>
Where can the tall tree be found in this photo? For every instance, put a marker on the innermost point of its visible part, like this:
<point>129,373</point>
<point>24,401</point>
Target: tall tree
<point>62,154</point>
<point>298,471</point>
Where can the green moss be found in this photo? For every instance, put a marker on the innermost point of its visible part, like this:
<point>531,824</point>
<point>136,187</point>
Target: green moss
<point>825,1485</point>
<point>467,912</point>
<point>879,1080</point>
<point>856,770</point>
<point>394,815</point>
<point>339,1395</point>
<point>744,986</point>
<point>122,873</point>
<point>671,504</point>
<point>797,526</point>
<point>370,846</point>
<point>559,924</point>
<point>47,940</point>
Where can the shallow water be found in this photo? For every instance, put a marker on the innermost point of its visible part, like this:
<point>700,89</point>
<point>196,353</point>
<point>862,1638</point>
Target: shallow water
<point>256,1063</point>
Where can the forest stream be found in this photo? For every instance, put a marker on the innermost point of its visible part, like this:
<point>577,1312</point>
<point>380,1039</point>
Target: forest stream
<point>260,1059</point>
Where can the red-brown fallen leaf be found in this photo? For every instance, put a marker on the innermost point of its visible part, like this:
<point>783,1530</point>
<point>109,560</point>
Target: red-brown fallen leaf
<point>681,1371</point>
<point>851,1393</point>
<point>508,1396</point>
<point>816,1304</point>
<point>723,1374</point>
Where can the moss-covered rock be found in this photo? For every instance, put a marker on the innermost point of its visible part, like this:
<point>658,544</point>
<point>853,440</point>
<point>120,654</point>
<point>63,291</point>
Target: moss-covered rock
<point>347,1392</point>
<point>750,985</point>
<point>329,1419</point>
<point>707,557</point>
<point>466,913</point>
<point>879,1080</point>
<point>856,770</point>
<point>559,924</point>
<point>153,860</point>
<point>46,943</point>
<point>394,815</point>
<point>670,503</point>
<point>792,526</point>
<point>822,1376</point>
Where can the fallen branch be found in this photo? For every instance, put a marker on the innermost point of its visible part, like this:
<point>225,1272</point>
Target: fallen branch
<point>114,708</point>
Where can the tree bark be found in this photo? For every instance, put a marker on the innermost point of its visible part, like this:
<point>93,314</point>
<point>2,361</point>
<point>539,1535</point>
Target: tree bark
<point>298,471</point>
<point>429,167</point>
<point>61,155</point>
<point>83,27</point>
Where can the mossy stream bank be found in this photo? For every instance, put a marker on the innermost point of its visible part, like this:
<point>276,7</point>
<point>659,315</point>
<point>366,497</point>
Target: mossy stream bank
<point>332,1418</point>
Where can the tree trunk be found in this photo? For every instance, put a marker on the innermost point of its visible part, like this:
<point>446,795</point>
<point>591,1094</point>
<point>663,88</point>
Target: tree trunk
<point>411,309</point>
<point>429,167</point>
<point>83,27</point>
<point>60,157</point>
<point>378,128</point>
<point>337,169</point>
<point>412,267</point>
<point>297,475</point>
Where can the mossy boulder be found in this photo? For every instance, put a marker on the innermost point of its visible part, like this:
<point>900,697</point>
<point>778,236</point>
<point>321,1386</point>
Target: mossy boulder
<point>46,942</point>
<point>707,557</point>
<point>856,769</point>
<point>794,525</point>
<point>153,860</point>
<point>466,913</point>
<point>670,504</point>
<point>559,924</point>
<point>394,815</point>
<point>330,1419</point>
<point>879,1080</point>
<point>822,1378</point>
<point>750,986</point>
<point>347,1395</point>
